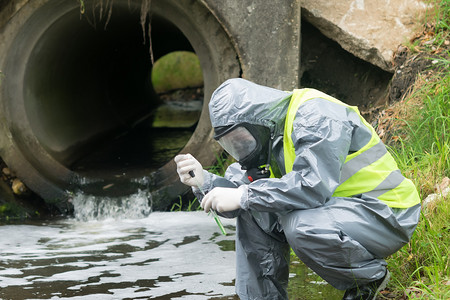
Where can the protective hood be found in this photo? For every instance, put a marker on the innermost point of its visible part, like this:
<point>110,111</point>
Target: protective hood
<point>239,101</point>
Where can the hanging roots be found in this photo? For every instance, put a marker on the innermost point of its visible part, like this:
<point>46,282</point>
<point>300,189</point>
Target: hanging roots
<point>82,7</point>
<point>104,8</point>
<point>104,11</point>
<point>146,13</point>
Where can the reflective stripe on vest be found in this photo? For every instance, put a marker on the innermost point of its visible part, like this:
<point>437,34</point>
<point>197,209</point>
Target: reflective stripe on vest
<point>371,170</point>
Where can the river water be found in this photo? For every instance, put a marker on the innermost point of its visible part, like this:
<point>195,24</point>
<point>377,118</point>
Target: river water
<point>119,249</point>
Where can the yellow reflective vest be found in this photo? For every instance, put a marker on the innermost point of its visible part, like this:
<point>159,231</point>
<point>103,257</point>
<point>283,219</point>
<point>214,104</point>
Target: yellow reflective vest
<point>371,170</point>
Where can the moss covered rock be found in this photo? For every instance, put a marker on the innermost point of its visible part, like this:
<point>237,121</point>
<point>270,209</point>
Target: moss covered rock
<point>176,70</point>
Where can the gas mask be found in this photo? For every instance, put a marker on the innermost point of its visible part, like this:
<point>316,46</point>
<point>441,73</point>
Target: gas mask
<point>250,145</point>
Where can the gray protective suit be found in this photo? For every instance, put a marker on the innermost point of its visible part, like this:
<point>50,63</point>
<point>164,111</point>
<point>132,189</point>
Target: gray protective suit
<point>344,240</point>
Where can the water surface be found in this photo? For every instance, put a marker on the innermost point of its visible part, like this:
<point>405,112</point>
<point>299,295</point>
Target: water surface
<point>172,255</point>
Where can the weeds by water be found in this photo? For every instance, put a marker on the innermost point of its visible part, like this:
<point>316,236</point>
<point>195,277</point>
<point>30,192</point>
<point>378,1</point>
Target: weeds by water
<point>192,205</point>
<point>222,163</point>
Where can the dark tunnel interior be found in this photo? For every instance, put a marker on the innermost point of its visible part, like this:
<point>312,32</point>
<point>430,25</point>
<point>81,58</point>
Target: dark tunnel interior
<point>89,96</point>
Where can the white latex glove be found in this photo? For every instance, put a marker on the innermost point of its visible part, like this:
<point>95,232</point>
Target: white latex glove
<point>185,164</point>
<point>222,199</point>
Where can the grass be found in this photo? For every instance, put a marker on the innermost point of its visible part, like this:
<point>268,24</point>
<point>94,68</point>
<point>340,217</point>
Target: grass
<point>192,205</point>
<point>421,269</point>
<point>420,143</point>
<point>421,146</point>
<point>436,29</point>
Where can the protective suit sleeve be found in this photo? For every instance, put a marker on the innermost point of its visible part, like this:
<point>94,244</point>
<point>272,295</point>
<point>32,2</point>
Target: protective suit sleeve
<point>322,136</point>
<point>233,178</point>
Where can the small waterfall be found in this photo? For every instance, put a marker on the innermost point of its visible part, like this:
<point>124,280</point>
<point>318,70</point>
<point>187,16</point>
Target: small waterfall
<point>88,207</point>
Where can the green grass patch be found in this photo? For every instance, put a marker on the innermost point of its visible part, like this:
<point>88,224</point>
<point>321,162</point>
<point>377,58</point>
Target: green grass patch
<point>435,35</point>
<point>421,147</point>
<point>420,270</point>
<point>421,144</point>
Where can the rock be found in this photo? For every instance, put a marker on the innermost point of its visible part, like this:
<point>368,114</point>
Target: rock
<point>442,191</point>
<point>371,30</point>
<point>443,185</point>
<point>18,187</point>
<point>6,171</point>
<point>179,69</point>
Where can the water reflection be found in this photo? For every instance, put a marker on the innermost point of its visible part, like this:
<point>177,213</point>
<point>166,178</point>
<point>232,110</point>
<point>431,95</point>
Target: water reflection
<point>173,255</point>
<point>304,284</point>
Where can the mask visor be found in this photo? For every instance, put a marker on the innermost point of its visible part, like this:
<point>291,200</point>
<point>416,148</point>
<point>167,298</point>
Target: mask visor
<point>238,142</point>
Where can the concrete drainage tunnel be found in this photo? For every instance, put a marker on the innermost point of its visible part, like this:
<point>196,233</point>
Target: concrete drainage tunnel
<point>77,103</point>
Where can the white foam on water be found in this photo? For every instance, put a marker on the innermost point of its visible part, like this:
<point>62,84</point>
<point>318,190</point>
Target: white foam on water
<point>89,207</point>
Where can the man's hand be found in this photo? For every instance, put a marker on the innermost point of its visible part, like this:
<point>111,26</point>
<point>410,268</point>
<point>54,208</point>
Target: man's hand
<point>222,199</point>
<point>185,164</point>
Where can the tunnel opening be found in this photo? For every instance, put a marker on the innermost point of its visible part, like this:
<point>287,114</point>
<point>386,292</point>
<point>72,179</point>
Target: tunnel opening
<point>92,110</point>
<point>79,107</point>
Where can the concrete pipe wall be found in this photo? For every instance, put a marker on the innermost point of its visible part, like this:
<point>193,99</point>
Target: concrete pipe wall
<point>75,83</point>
